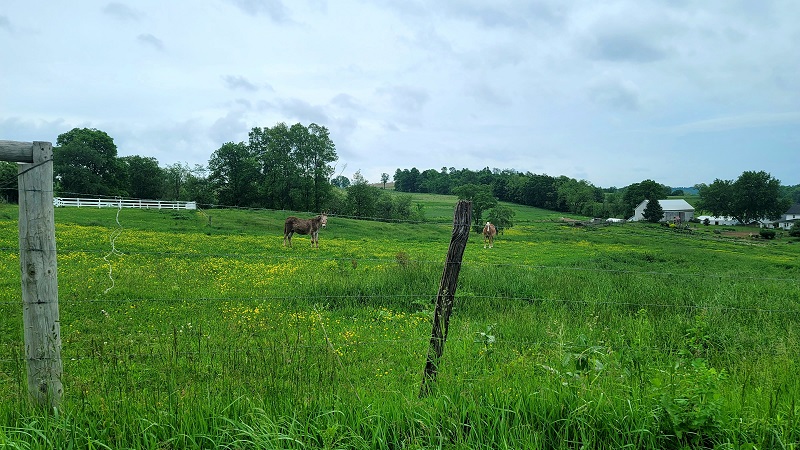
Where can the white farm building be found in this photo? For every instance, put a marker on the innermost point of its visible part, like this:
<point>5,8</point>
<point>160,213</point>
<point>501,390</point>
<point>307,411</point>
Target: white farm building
<point>721,220</point>
<point>674,210</point>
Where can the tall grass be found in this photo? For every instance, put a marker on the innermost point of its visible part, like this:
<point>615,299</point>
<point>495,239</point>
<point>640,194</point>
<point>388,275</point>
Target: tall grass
<point>200,334</point>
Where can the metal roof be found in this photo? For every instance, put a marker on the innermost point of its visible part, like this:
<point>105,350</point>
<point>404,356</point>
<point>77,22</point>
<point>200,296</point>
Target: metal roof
<point>673,205</point>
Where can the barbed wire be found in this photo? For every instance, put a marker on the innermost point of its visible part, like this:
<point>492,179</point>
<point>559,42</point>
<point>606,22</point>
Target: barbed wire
<point>320,298</point>
<point>169,347</point>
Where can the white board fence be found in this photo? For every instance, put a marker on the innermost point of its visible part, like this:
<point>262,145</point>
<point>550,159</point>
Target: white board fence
<point>122,203</point>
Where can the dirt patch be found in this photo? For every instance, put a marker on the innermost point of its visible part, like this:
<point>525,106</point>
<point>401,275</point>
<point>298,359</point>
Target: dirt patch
<point>740,234</point>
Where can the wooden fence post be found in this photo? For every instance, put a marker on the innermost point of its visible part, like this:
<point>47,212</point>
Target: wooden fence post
<point>37,257</point>
<point>462,220</point>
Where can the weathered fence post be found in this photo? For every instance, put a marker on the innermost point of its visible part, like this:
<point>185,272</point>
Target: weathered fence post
<point>462,220</point>
<point>37,257</point>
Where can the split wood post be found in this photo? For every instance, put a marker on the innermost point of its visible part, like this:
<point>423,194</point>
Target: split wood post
<point>447,290</point>
<point>39,274</point>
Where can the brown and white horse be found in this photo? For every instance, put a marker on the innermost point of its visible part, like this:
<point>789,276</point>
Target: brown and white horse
<point>489,232</point>
<point>304,226</point>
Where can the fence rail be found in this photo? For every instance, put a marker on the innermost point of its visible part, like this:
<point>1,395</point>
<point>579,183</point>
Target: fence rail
<point>122,203</point>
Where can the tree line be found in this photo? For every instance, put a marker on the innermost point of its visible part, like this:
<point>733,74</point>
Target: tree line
<point>279,167</point>
<point>752,196</point>
<point>291,168</point>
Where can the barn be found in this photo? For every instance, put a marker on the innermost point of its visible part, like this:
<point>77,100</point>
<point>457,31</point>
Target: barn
<point>674,210</point>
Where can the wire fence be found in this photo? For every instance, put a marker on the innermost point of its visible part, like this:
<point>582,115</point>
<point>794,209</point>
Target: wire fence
<point>161,350</point>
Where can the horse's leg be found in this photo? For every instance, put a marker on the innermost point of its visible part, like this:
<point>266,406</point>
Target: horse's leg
<point>288,238</point>
<point>314,239</point>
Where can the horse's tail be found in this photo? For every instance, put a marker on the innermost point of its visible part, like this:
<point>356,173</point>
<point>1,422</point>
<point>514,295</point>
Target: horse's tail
<point>287,226</point>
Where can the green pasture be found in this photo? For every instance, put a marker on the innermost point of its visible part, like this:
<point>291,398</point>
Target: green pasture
<point>201,330</point>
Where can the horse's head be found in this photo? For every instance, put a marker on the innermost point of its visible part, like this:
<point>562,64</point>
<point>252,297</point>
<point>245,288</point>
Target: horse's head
<point>323,220</point>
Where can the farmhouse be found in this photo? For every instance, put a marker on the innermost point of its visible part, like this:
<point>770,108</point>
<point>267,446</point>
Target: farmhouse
<point>789,218</point>
<point>673,210</point>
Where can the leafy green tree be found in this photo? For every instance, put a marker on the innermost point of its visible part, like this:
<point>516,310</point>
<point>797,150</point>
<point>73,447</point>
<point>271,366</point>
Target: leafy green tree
<point>9,187</point>
<point>579,196</point>
<point>756,195</point>
<point>384,179</point>
<point>795,230</point>
<point>85,163</point>
<point>402,209</point>
<point>753,196</point>
<point>501,216</point>
<point>481,198</point>
<point>198,187</point>
<point>336,203</point>
<point>294,165</point>
<point>540,191</point>
<point>175,178</point>
<point>145,177</point>
<point>399,180</point>
<point>279,175</point>
<point>361,198</point>
<point>716,198</point>
<point>794,193</point>
<point>341,181</point>
<point>653,212</point>
<point>188,184</point>
<point>407,180</point>
<point>393,207</point>
<point>435,182</point>
<point>322,154</point>
<point>234,174</point>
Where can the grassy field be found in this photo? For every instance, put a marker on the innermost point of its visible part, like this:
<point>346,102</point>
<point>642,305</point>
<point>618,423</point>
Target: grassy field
<point>200,330</point>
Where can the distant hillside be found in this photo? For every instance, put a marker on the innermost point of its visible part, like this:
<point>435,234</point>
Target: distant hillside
<point>389,185</point>
<point>687,190</point>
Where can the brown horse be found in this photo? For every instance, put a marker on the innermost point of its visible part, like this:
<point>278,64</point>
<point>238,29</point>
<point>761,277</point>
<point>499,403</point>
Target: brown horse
<point>489,232</point>
<point>304,226</point>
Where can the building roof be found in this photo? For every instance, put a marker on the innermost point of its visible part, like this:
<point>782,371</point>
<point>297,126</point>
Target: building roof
<point>794,209</point>
<point>673,205</point>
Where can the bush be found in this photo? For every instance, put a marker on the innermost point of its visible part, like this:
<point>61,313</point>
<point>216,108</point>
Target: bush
<point>767,234</point>
<point>795,230</point>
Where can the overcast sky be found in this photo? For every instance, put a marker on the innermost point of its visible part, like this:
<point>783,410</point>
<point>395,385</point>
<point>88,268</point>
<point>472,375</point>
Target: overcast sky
<point>612,92</point>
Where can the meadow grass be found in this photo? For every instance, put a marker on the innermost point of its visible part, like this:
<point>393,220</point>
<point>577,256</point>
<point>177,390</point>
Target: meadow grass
<point>200,330</point>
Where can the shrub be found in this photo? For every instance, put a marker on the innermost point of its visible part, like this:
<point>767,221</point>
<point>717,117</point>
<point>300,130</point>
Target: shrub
<point>795,230</point>
<point>767,234</point>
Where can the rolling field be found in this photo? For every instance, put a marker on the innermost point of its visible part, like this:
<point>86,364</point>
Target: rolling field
<point>200,330</point>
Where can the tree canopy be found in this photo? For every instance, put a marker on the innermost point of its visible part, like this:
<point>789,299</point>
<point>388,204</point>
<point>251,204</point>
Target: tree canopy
<point>85,161</point>
<point>753,196</point>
